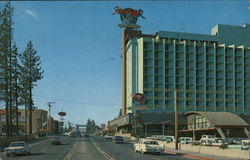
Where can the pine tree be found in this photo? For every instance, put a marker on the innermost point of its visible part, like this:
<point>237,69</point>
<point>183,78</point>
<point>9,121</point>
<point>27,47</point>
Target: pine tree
<point>93,126</point>
<point>16,85</point>
<point>31,72</point>
<point>88,126</point>
<point>6,37</point>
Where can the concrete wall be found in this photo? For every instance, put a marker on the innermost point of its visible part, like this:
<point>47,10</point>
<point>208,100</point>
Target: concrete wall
<point>211,150</point>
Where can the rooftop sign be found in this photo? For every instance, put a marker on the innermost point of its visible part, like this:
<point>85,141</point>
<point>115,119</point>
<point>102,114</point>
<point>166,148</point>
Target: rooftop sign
<point>128,17</point>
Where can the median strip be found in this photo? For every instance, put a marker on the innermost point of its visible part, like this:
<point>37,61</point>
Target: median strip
<point>106,155</point>
<point>72,150</point>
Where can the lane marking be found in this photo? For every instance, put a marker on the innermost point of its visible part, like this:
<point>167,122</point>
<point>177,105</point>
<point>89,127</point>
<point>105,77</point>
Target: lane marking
<point>106,155</point>
<point>70,153</point>
<point>38,142</point>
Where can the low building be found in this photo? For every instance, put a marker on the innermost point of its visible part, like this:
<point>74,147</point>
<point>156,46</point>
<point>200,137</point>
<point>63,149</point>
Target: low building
<point>39,119</point>
<point>219,124</point>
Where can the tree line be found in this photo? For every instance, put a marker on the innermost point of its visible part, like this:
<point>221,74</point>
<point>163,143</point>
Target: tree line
<point>19,73</point>
<point>90,126</point>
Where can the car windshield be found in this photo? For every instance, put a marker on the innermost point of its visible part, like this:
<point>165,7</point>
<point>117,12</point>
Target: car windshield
<point>151,142</point>
<point>17,144</point>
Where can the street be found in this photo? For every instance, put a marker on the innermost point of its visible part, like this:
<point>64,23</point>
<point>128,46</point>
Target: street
<point>87,148</point>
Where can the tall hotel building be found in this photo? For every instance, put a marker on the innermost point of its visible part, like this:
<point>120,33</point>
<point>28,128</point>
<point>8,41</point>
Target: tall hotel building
<point>208,72</point>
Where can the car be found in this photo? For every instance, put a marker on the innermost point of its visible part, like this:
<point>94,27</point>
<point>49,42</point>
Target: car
<point>86,135</point>
<point>118,139</point>
<point>168,139</point>
<point>185,140</point>
<point>211,142</point>
<point>245,144</point>
<point>72,134</point>
<point>16,148</point>
<point>107,136</point>
<point>148,146</point>
<point>56,140</point>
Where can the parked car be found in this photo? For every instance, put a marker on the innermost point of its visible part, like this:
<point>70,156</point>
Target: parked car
<point>19,147</point>
<point>86,135</point>
<point>157,137</point>
<point>229,141</point>
<point>57,140</point>
<point>118,139</point>
<point>245,144</point>
<point>207,137</point>
<point>168,139</point>
<point>148,146</point>
<point>185,140</point>
<point>211,142</point>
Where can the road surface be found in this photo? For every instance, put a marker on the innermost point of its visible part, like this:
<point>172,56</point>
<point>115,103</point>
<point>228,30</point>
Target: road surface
<point>87,148</point>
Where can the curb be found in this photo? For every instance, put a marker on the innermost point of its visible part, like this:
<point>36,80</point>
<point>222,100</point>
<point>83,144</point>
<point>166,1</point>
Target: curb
<point>188,155</point>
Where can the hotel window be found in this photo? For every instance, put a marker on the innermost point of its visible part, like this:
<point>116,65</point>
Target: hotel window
<point>156,79</point>
<point>145,45</point>
<point>156,45</point>
<point>156,63</point>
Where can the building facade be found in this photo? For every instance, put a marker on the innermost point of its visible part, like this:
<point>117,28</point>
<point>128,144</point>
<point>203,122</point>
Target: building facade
<point>208,72</point>
<point>39,121</point>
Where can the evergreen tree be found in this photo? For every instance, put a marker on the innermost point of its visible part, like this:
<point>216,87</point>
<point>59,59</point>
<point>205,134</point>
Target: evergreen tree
<point>31,72</point>
<point>88,126</point>
<point>6,75</point>
<point>93,126</point>
<point>16,85</point>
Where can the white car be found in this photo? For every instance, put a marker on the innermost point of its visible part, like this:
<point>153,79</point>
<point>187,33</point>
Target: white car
<point>19,147</point>
<point>185,140</point>
<point>148,146</point>
<point>108,136</point>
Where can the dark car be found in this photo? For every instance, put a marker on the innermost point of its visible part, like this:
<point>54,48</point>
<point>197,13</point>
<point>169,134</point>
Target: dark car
<point>56,140</point>
<point>118,139</point>
<point>86,135</point>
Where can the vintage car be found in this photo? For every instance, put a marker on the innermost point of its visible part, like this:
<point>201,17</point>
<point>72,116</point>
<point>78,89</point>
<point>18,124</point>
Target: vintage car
<point>148,146</point>
<point>118,139</point>
<point>16,148</point>
<point>57,140</point>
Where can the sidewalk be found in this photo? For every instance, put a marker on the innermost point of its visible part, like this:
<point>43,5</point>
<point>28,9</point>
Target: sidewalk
<point>196,155</point>
<point>191,154</point>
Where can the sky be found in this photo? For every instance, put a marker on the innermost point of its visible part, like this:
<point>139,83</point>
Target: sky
<point>79,44</point>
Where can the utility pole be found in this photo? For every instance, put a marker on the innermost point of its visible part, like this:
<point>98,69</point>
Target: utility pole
<point>176,120</point>
<point>49,105</point>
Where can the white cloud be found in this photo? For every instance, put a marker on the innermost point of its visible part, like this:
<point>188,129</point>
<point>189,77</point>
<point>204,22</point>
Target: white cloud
<point>32,14</point>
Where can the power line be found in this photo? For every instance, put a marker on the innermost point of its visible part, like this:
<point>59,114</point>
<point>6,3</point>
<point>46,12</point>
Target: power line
<point>75,102</point>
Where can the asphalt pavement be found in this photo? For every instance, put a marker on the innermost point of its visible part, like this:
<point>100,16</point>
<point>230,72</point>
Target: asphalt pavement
<point>43,150</point>
<point>87,148</point>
